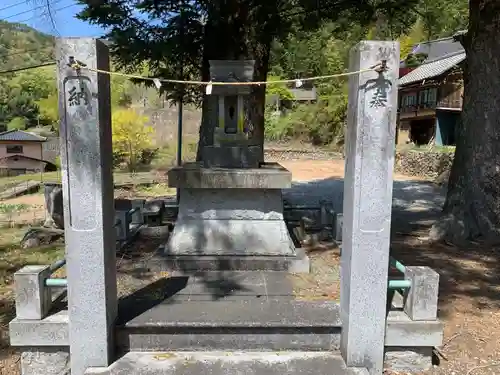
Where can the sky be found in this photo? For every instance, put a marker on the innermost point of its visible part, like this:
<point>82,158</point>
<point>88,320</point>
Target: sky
<point>34,14</point>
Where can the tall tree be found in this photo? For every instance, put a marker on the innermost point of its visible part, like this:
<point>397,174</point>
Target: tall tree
<point>472,207</point>
<point>166,33</point>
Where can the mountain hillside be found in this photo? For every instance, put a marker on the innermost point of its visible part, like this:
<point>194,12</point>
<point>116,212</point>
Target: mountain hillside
<point>22,46</point>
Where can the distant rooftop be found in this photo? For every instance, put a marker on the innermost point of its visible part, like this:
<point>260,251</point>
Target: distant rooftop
<point>439,48</point>
<point>20,136</point>
<point>442,55</point>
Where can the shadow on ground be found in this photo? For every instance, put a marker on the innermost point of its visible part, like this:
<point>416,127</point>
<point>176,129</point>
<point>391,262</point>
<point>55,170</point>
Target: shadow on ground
<point>469,274</point>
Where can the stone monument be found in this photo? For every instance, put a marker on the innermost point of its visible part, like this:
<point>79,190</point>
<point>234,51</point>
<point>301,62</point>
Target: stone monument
<point>231,206</point>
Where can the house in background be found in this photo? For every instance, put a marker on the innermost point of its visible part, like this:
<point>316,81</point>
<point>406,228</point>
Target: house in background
<point>22,152</point>
<point>430,95</point>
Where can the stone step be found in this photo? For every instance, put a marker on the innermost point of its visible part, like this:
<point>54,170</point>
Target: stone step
<point>228,363</point>
<point>235,324</point>
<point>298,263</point>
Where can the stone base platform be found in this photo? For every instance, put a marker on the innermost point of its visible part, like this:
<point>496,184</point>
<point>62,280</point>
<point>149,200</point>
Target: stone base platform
<point>227,213</point>
<point>163,261</point>
<point>228,363</point>
<point>246,318</point>
<point>226,311</point>
<point>195,176</point>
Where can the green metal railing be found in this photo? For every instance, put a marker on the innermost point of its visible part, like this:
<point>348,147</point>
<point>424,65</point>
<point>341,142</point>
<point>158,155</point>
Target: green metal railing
<point>56,282</point>
<point>398,284</point>
<point>392,285</point>
<point>53,268</point>
<point>397,265</point>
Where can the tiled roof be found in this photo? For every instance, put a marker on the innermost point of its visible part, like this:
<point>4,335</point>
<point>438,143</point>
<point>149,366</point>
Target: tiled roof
<point>437,49</point>
<point>21,136</point>
<point>17,156</point>
<point>432,68</point>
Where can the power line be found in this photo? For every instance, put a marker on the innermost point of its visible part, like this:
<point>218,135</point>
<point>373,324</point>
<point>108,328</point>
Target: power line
<point>286,14</point>
<point>30,10</point>
<point>27,68</point>
<point>55,11</point>
<point>13,5</point>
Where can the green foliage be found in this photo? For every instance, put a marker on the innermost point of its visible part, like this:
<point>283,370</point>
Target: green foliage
<point>292,39</point>
<point>17,123</point>
<point>442,18</point>
<point>320,123</point>
<point>49,110</point>
<point>131,136</point>
<point>325,51</point>
<point>278,90</point>
<point>22,46</point>
<point>8,208</point>
<point>120,91</point>
<point>16,39</point>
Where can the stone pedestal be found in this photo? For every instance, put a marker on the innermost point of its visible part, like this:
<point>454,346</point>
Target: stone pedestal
<point>230,212</point>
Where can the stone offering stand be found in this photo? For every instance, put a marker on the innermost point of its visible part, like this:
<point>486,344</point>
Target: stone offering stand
<point>226,305</point>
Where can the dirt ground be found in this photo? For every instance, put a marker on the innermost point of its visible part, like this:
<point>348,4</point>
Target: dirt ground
<point>469,287</point>
<point>307,170</point>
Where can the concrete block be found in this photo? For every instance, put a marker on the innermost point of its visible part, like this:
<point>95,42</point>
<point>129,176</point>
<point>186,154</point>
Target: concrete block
<point>50,331</point>
<point>326,217</point>
<point>87,180</point>
<point>123,226</point>
<point>410,360</point>
<point>33,298</point>
<point>403,332</point>
<point>153,212</point>
<point>421,301</point>
<point>367,206</point>
<point>43,361</point>
<point>171,211</point>
<point>137,216</point>
<point>154,231</point>
<point>193,176</point>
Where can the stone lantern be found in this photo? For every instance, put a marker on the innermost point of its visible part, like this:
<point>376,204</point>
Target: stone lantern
<point>230,147</point>
<point>231,206</point>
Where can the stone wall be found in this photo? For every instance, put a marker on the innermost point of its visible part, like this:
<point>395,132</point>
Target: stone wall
<point>284,154</point>
<point>430,164</point>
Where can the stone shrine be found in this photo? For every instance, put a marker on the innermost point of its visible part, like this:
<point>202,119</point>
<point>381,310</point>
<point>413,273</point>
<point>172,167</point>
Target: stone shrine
<point>231,205</point>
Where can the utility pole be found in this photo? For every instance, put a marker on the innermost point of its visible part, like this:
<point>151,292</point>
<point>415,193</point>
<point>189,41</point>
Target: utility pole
<point>181,91</point>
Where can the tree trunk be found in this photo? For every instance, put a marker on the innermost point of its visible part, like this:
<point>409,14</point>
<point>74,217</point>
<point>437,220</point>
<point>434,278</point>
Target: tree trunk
<point>472,207</point>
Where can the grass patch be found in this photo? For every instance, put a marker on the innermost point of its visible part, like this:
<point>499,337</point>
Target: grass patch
<point>155,190</point>
<point>120,178</point>
<point>9,209</point>
<point>13,257</point>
